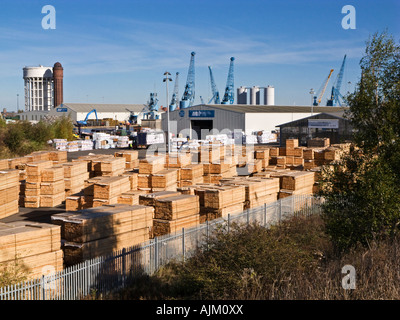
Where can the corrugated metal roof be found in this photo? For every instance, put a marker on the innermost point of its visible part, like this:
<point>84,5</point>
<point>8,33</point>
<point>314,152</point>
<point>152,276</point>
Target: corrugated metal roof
<point>338,115</point>
<point>244,108</point>
<point>103,107</point>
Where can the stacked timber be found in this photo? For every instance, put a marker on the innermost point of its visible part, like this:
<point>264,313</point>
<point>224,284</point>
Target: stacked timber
<point>93,163</point>
<point>112,167</point>
<point>52,187</point>
<point>101,231</point>
<point>258,191</point>
<point>58,157</point>
<point>131,158</point>
<point>151,164</point>
<point>133,178</point>
<point>34,246</point>
<point>191,174</point>
<point>174,213</point>
<point>178,160</point>
<point>108,190</point>
<point>318,143</point>
<point>217,170</point>
<point>297,182</point>
<point>9,192</point>
<point>33,181</point>
<point>219,201</point>
<point>211,153</point>
<point>75,174</point>
<point>263,155</point>
<point>150,198</point>
<point>130,197</point>
<point>164,180</point>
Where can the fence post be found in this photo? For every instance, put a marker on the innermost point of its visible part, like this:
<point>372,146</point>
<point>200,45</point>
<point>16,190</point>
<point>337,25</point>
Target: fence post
<point>229,222</point>
<point>155,253</point>
<point>265,214</point>
<point>43,289</point>
<point>123,266</point>
<point>207,231</point>
<point>183,244</point>
<point>280,209</point>
<point>248,216</point>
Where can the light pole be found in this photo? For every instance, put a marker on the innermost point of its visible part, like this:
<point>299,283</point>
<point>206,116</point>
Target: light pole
<point>17,102</point>
<point>166,79</point>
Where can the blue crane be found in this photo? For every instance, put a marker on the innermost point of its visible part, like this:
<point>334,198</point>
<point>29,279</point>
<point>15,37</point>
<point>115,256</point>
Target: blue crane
<point>229,95</point>
<point>215,92</point>
<point>189,93</point>
<point>84,122</point>
<point>335,93</point>
<point>174,101</point>
<point>152,106</point>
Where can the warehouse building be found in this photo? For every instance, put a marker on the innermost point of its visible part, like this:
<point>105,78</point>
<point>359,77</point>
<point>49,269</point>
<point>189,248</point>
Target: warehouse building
<point>197,121</point>
<point>330,125</point>
<point>79,111</point>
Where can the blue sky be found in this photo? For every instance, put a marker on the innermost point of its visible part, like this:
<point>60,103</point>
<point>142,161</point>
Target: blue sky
<point>117,51</point>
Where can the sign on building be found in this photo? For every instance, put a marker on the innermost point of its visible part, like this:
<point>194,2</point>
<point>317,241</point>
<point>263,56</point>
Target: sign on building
<point>323,123</point>
<point>201,113</point>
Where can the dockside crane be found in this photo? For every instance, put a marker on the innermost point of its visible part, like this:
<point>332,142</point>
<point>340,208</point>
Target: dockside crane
<point>321,91</point>
<point>214,89</point>
<point>175,100</point>
<point>335,93</point>
<point>189,93</point>
<point>229,94</point>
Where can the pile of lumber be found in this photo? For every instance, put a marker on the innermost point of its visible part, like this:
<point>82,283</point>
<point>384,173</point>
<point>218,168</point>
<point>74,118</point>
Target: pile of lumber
<point>164,180</point>
<point>52,186</point>
<point>150,198</point>
<point>110,166</point>
<point>178,159</point>
<point>191,174</point>
<point>130,197</point>
<point>100,231</point>
<point>211,153</point>
<point>219,201</point>
<point>151,164</point>
<point>33,182</point>
<point>9,192</point>
<point>258,190</point>
<point>75,174</point>
<point>318,142</point>
<point>108,190</point>
<point>217,170</point>
<point>31,245</point>
<point>297,182</point>
<point>173,213</point>
<point>131,158</point>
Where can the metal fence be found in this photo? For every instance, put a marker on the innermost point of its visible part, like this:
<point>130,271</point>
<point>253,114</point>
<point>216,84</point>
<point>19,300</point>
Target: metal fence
<point>104,275</point>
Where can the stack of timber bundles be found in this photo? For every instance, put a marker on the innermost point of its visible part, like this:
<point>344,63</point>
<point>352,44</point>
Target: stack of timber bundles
<point>84,198</point>
<point>164,180</point>
<point>130,197</point>
<point>108,189</point>
<point>9,192</point>
<point>219,201</point>
<point>147,167</point>
<point>263,155</point>
<point>75,174</point>
<point>178,160</point>
<point>150,198</point>
<point>93,163</point>
<point>217,170</point>
<point>191,174</point>
<point>31,245</point>
<point>112,167</point>
<point>297,182</point>
<point>258,191</point>
<point>58,157</point>
<point>52,187</point>
<point>211,153</point>
<point>100,231</point>
<point>174,213</point>
<point>33,180</point>
<point>318,143</point>
<point>131,158</point>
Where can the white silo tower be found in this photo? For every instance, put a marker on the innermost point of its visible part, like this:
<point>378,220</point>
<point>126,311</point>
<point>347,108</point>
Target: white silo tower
<point>255,95</point>
<point>242,95</point>
<point>269,96</point>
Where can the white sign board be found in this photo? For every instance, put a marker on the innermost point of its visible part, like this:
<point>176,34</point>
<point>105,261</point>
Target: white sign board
<point>323,123</point>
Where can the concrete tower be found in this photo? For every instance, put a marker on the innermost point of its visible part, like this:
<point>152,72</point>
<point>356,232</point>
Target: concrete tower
<point>38,88</point>
<point>58,75</point>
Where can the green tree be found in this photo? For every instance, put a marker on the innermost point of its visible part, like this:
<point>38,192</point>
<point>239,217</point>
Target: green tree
<point>363,190</point>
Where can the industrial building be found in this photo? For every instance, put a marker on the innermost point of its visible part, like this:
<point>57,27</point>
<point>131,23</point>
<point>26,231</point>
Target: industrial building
<point>330,125</point>
<point>79,111</point>
<point>246,118</point>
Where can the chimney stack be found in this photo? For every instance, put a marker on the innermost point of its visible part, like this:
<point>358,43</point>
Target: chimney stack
<point>58,75</point>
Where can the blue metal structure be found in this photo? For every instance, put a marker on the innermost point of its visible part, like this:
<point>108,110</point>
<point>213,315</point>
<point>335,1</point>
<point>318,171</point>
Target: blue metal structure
<point>229,95</point>
<point>189,93</point>
<point>152,106</point>
<point>175,100</point>
<point>215,92</point>
<point>335,94</point>
<point>84,122</point>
